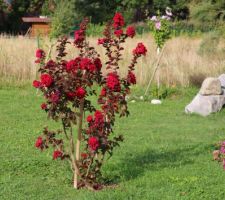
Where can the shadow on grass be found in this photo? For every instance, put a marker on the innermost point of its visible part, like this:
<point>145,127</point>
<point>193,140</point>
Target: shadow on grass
<point>135,165</point>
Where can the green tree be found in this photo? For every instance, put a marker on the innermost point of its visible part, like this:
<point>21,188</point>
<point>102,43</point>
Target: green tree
<point>64,18</point>
<point>208,11</point>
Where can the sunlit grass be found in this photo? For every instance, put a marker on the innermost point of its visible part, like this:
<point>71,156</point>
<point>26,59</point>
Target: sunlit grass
<point>166,154</point>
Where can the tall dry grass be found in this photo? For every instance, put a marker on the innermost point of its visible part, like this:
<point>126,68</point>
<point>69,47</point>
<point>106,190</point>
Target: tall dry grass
<point>181,63</point>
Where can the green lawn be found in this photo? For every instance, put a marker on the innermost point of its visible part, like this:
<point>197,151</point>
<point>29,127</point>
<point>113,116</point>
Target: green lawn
<point>166,154</point>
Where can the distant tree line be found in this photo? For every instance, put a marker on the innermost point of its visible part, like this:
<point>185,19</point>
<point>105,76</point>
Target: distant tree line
<point>67,14</point>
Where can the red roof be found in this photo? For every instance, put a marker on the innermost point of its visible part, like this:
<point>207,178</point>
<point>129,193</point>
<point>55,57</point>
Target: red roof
<point>36,19</point>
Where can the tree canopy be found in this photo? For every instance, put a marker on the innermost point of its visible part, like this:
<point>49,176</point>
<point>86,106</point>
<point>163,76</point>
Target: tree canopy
<point>68,13</point>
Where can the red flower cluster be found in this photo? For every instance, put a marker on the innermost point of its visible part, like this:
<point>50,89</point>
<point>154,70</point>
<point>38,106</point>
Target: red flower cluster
<point>84,155</point>
<point>46,80</point>
<point>102,40</point>
<point>83,64</point>
<point>37,84</point>
<point>71,95</point>
<point>103,92</point>
<point>98,63</point>
<point>118,20</point>
<point>130,31</point>
<point>57,154</point>
<point>50,64</point>
<point>73,65</point>
<point>40,54</point>
<point>140,49</point>
<point>112,82</point>
<point>99,118</point>
<point>54,97</point>
<point>89,118</point>
<point>131,78</point>
<point>80,93</point>
<point>39,143</point>
<point>118,33</point>
<point>43,106</point>
<point>93,143</point>
<point>79,36</point>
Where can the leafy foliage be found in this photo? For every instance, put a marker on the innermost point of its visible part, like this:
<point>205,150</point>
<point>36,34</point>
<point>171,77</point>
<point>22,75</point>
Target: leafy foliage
<point>63,18</point>
<point>161,27</point>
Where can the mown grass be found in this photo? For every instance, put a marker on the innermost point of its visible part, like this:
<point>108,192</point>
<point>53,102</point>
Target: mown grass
<point>166,154</point>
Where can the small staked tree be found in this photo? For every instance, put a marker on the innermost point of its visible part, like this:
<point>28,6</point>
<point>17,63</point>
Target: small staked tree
<point>66,86</point>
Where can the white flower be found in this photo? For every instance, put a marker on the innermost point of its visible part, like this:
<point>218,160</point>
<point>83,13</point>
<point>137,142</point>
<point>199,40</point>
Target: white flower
<point>168,11</point>
<point>154,18</point>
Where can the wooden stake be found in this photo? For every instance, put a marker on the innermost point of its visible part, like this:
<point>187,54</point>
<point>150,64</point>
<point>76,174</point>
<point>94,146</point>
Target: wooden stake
<point>79,136</point>
<point>155,70</point>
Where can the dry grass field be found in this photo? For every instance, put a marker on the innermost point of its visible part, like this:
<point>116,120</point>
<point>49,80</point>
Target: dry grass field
<point>181,63</point>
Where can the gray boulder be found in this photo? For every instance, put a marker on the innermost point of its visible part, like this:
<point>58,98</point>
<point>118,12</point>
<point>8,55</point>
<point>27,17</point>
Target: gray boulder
<point>204,105</point>
<point>211,97</point>
<point>222,80</point>
<point>211,86</point>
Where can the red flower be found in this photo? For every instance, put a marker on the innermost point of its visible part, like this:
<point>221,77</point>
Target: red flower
<point>46,80</point>
<point>50,64</point>
<point>54,97</point>
<point>43,106</point>
<point>112,82</point>
<point>84,155</point>
<point>70,65</point>
<point>37,84</point>
<point>80,92</point>
<point>130,31</point>
<point>118,33</point>
<point>70,95</point>
<point>84,63</point>
<point>131,78</point>
<point>103,92</point>
<point>91,67</point>
<point>98,63</point>
<point>39,143</point>
<point>118,20</point>
<point>57,154</point>
<point>89,118</point>
<point>93,143</point>
<point>140,49</point>
<point>99,118</point>
<point>40,54</point>
<point>101,40</point>
<point>79,36</point>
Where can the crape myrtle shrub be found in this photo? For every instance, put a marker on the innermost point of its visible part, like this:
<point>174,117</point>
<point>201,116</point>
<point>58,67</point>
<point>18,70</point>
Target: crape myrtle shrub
<point>66,85</point>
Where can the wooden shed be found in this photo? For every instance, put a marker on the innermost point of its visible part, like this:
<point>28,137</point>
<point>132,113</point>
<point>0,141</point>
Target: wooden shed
<point>38,25</point>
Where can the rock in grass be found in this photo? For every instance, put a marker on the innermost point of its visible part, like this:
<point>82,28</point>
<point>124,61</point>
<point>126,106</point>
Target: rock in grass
<point>222,80</point>
<point>211,97</point>
<point>156,101</point>
<point>211,86</point>
<point>204,105</point>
